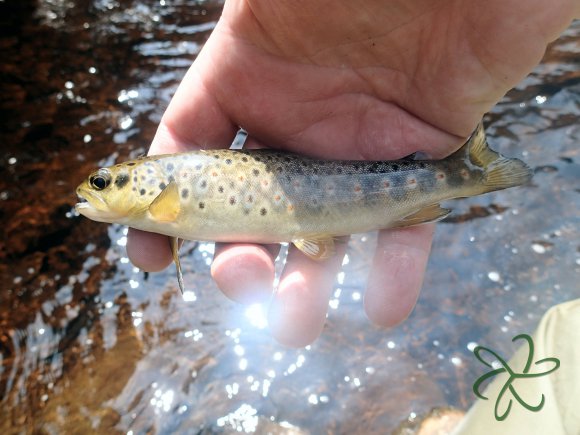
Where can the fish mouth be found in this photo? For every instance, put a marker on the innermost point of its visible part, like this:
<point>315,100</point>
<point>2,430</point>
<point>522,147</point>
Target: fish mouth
<point>94,207</point>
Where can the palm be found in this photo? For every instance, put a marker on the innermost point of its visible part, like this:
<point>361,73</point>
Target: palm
<point>371,80</point>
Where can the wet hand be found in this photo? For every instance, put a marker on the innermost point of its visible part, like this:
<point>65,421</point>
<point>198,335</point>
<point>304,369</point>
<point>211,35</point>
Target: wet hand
<point>366,79</point>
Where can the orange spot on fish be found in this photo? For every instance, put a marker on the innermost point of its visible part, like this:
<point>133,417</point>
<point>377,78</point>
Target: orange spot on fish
<point>290,207</point>
<point>277,198</point>
<point>412,181</point>
<point>214,173</point>
<point>241,178</point>
<point>386,184</point>
<point>265,182</point>
<point>357,188</point>
<point>440,175</point>
<point>464,174</point>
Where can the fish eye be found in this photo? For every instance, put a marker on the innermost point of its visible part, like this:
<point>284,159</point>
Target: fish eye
<point>100,180</point>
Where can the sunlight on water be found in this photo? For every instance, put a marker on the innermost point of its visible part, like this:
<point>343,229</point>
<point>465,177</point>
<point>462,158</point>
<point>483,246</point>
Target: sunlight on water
<point>257,316</point>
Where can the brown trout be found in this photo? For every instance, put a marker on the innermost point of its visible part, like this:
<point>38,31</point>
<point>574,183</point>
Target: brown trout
<point>267,196</point>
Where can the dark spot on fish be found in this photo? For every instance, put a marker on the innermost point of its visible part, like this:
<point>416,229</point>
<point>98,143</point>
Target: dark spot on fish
<point>131,164</point>
<point>201,205</point>
<point>232,200</point>
<point>244,159</point>
<point>263,211</point>
<point>135,179</point>
<point>250,198</point>
<point>232,185</point>
<point>121,180</point>
<point>162,185</point>
<point>398,191</point>
<point>256,172</point>
<point>203,184</point>
<point>134,189</point>
<point>395,167</point>
<point>171,178</point>
<point>427,181</point>
<point>149,171</point>
<point>142,191</point>
<point>258,159</point>
<point>142,177</point>
<point>216,156</point>
<point>198,166</point>
<point>422,165</point>
<point>221,189</point>
<point>454,178</point>
<point>170,166</point>
<point>228,161</point>
<point>184,193</point>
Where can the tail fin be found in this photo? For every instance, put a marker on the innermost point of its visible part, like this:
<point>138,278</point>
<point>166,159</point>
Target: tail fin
<point>499,172</point>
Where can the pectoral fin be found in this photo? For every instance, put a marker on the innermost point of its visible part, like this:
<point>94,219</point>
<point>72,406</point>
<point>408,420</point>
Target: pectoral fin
<point>166,207</point>
<point>174,245</point>
<point>316,247</point>
<point>431,213</point>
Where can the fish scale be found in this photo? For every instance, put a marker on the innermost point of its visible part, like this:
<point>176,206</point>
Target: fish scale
<point>267,196</point>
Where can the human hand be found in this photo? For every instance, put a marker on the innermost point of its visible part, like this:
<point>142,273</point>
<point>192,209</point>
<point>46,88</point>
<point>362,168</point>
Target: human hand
<point>364,79</point>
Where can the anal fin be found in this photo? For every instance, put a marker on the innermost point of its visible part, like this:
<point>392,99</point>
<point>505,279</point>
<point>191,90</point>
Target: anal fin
<point>174,245</point>
<point>431,213</point>
<point>316,247</point>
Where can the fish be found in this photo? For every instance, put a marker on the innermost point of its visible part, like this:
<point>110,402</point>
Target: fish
<point>269,196</point>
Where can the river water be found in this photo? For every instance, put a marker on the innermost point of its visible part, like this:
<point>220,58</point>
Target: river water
<point>88,343</point>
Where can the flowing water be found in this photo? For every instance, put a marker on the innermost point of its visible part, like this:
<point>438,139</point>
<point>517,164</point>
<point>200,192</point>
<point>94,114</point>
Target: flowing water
<point>88,343</point>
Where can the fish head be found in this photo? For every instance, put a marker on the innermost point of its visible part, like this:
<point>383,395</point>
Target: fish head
<point>112,195</point>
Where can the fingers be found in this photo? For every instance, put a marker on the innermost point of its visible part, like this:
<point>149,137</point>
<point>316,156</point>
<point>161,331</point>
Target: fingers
<point>298,309</point>
<point>244,272</point>
<point>148,251</point>
<point>297,312</point>
<point>397,273</point>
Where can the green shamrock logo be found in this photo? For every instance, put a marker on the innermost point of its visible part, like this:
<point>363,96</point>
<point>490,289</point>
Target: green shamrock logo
<point>512,377</point>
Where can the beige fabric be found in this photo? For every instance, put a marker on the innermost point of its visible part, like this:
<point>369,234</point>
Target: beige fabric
<point>558,335</point>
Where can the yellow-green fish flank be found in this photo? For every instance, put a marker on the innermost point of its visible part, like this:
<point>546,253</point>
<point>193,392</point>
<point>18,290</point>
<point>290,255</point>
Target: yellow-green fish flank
<point>268,196</point>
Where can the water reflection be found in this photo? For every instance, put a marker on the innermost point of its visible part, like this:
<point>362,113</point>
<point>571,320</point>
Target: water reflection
<point>90,343</point>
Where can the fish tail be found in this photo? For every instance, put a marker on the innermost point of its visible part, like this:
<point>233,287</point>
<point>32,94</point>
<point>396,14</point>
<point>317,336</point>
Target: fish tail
<point>499,172</point>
